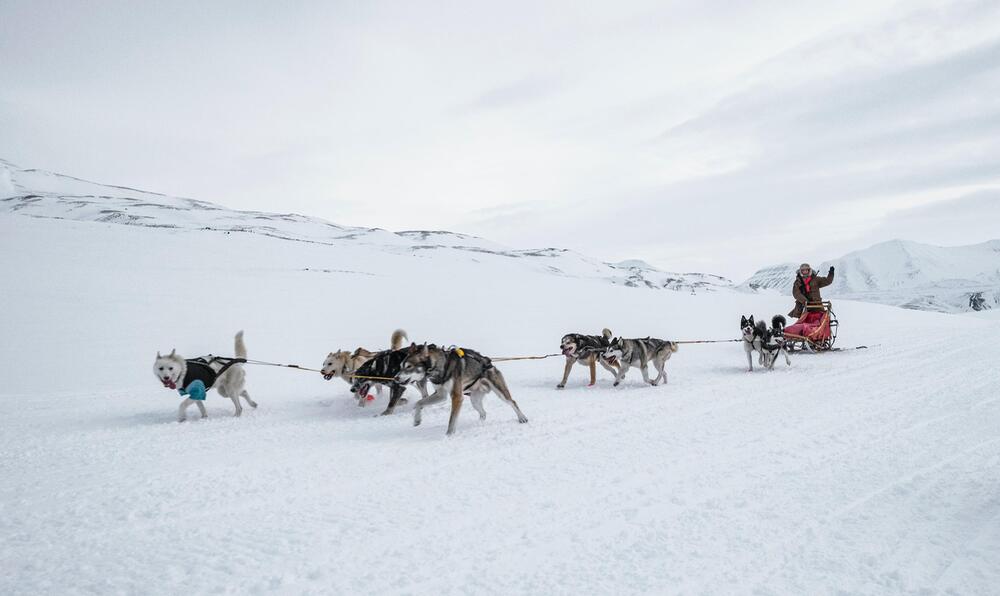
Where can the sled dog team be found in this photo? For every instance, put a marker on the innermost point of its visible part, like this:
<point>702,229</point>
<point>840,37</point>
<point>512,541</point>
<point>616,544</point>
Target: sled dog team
<point>453,372</point>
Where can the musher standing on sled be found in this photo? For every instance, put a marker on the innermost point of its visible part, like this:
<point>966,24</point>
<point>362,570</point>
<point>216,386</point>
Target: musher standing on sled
<point>805,290</point>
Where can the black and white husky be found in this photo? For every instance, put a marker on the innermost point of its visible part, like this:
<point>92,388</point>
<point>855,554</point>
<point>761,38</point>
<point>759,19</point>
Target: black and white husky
<point>193,378</point>
<point>769,343</point>
<point>640,352</point>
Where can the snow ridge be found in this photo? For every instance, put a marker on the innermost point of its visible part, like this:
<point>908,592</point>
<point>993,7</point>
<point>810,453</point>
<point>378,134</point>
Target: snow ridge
<point>43,194</point>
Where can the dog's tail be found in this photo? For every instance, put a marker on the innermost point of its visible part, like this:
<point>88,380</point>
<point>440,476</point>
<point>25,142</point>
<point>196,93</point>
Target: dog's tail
<point>396,341</point>
<point>607,333</point>
<point>241,348</point>
<point>778,323</point>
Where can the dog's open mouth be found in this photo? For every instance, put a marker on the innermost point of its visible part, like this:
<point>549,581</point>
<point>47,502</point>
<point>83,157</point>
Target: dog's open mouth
<point>169,383</point>
<point>568,351</point>
<point>327,376</point>
<point>613,360</point>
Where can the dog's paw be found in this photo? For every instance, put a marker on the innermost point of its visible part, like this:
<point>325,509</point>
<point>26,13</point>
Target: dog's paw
<point>522,419</point>
<point>560,386</point>
<point>482,416</point>
<point>615,384</point>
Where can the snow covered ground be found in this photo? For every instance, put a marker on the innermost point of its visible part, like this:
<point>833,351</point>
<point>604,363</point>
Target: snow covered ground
<point>871,471</point>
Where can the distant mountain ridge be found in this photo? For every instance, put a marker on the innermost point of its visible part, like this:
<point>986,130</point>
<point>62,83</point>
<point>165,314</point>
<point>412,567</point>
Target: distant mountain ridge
<point>898,272</point>
<point>39,193</point>
<point>906,274</point>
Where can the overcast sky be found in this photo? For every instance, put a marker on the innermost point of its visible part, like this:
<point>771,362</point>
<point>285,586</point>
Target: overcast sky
<point>699,136</point>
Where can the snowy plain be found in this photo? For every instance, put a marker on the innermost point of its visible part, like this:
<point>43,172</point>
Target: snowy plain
<point>871,471</point>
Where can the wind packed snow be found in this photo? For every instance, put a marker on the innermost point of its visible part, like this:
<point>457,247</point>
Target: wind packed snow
<point>871,471</point>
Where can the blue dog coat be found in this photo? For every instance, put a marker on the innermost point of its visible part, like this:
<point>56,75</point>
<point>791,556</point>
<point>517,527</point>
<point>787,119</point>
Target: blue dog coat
<point>196,390</point>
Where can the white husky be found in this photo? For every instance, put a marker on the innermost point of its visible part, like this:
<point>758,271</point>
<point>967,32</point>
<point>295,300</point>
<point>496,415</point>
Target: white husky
<point>194,377</point>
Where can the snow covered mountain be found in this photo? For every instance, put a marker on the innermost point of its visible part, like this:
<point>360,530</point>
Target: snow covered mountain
<point>38,193</point>
<point>907,274</point>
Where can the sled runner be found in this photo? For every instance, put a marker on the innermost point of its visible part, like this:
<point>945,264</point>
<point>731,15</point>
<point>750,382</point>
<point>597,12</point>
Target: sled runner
<point>815,331</point>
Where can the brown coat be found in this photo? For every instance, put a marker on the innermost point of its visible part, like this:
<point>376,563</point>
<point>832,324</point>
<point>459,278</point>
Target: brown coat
<point>802,297</point>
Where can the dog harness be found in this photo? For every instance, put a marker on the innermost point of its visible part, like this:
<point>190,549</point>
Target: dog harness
<point>455,359</point>
<point>384,364</point>
<point>200,376</point>
<point>484,362</point>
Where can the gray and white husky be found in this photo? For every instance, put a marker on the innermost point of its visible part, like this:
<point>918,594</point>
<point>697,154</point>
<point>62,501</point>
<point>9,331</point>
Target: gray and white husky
<point>454,372</point>
<point>640,352</point>
<point>769,343</point>
<point>224,374</point>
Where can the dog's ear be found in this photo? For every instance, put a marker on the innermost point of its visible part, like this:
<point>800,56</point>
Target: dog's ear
<point>426,351</point>
<point>158,355</point>
<point>173,353</point>
<point>751,320</point>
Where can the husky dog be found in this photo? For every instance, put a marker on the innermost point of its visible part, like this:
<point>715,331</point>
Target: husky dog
<point>640,352</point>
<point>589,350</point>
<point>455,372</point>
<point>753,339</point>
<point>380,370</point>
<point>193,378</point>
<point>774,343</point>
<point>770,343</point>
<point>343,363</point>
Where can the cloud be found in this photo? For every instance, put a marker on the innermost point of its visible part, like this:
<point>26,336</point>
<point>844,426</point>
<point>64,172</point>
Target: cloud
<point>517,93</point>
<point>817,162</point>
<point>967,219</point>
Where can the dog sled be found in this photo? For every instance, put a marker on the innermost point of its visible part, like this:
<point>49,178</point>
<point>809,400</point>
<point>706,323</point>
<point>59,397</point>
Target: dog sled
<point>815,331</point>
